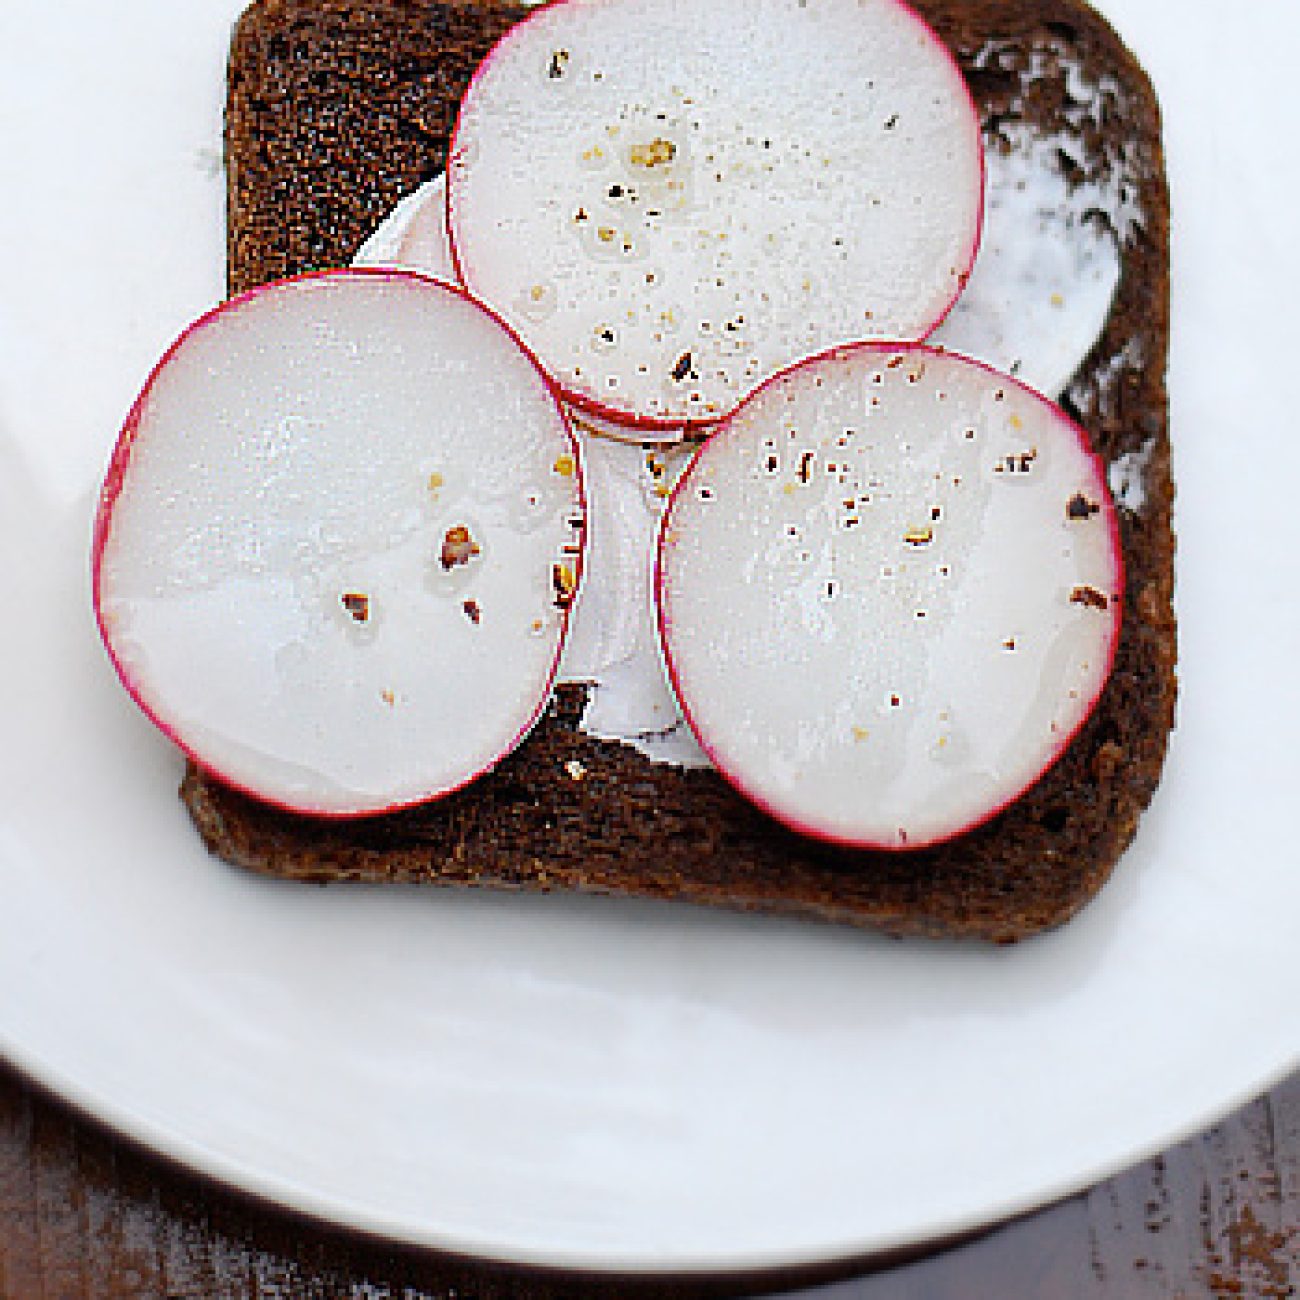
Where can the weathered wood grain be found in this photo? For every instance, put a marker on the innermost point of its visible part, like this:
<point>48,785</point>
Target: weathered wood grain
<point>84,1215</point>
<point>1218,1216</point>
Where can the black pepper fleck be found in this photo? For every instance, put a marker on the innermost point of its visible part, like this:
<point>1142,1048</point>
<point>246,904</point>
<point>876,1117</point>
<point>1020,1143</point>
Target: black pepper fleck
<point>356,604</point>
<point>1080,507</point>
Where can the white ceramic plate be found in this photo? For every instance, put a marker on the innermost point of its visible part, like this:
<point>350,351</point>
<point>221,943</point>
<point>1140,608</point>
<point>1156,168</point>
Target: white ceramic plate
<point>595,1083</point>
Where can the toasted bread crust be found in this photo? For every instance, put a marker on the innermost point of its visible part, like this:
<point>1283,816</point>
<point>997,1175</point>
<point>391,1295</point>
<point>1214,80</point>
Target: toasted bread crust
<point>338,107</point>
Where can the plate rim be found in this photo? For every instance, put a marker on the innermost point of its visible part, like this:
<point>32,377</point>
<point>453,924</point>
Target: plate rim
<point>888,1250</point>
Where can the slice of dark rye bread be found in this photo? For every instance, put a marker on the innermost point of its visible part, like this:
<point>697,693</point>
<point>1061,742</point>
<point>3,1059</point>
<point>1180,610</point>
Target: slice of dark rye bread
<point>336,109</point>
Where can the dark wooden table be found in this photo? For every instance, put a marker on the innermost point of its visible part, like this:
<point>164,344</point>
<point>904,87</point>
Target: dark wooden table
<point>84,1214</point>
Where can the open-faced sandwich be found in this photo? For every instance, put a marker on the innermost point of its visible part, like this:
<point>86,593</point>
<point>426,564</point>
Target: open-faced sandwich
<point>736,469</point>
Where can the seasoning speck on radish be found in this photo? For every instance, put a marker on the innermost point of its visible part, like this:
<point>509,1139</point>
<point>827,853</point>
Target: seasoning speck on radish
<point>458,547</point>
<point>357,605</point>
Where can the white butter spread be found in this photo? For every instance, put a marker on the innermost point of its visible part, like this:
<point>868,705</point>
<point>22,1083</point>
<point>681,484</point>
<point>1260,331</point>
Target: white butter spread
<point>1037,300</point>
<point>1113,190</point>
<point>1127,477</point>
<point>1049,258</point>
<point>1046,274</point>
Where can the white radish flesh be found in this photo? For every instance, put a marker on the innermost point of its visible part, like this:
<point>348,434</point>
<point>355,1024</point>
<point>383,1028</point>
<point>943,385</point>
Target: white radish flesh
<point>889,592</point>
<point>327,564</point>
<point>670,201</point>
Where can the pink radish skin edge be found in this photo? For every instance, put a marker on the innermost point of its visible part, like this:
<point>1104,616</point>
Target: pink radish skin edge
<point>630,420</point>
<point>116,474</point>
<point>664,621</point>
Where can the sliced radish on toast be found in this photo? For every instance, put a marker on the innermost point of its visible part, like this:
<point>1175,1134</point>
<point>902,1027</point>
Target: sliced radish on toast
<point>338,540</point>
<point>670,201</point>
<point>889,594</point>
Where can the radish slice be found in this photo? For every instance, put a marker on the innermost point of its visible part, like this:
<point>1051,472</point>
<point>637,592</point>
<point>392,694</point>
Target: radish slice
<point>413,237</point>
<point>324,565</point>
<point>670,201</point>
<point>601,426</point>
<point>889,594</point>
